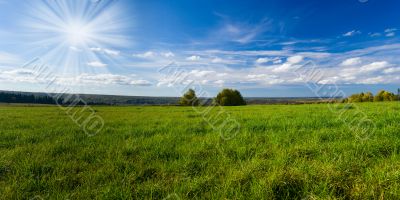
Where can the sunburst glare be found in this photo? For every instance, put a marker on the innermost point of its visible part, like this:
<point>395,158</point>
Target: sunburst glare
<point>77,34</point>
<point>67,33</point>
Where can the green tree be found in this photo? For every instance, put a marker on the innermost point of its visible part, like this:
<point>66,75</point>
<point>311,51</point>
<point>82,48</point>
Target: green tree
<point>229,97</point>
<point>189,99</point>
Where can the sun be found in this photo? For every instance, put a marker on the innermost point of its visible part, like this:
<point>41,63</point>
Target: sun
<point>77,34</point>
<point>65,32</point>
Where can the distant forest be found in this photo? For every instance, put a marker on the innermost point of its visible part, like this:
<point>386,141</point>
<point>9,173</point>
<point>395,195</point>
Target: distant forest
<point>91,99</point>
<point>43,98</point>
<point>25,98</point>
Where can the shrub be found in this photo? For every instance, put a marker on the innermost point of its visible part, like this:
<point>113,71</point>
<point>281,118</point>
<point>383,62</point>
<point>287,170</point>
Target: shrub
<point>362,97</point>
<point>385,96</point>
<point>369,97</point>
<point>230,97</point>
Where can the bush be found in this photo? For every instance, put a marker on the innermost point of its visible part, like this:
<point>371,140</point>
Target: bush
<point>189,99</point>
<point>369,97</point>
<point>230,97</point>
<point>362,97</point>
<point>385,96</point>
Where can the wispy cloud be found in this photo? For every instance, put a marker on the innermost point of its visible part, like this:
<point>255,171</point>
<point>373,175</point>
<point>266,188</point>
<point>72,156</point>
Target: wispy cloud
<point>370,65</point>
<point>390,32</point>
<point>148,54</point>
<point>241,31</point>
<point>374,66</point>
<point>18,75</point>
<point>351,61</point>
<point>193,58</point>
<point>9,59</point>
<point>29,76</point>
<point>109,52</point>
<point>374,34</point>
<point>104,79</point>
<point>351,33</point>
<point>96,64</point>
<point>154,55</point>
<point>167,54</point>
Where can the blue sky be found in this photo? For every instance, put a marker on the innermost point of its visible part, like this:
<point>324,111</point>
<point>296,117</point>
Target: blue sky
<point>121,47</point>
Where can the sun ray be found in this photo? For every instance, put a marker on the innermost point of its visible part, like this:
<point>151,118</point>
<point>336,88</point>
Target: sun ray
<point>65,31</point>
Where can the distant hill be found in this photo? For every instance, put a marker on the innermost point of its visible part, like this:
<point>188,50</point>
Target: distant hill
<point>95,99</point>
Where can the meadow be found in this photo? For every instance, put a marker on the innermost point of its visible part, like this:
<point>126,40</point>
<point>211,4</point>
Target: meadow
<point>280,152</point>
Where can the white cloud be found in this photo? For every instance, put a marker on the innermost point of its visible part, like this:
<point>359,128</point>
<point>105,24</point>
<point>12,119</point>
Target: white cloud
<point>350,67</point>
<point>390,32</point>
<point>217,60</point>
<point>260,53</point>
<point>168,54</point>
<point>226,61</point>
<point>391,70</point>
<point>219,82</point>
<point>374,66</point>
<point>153,55</point>
<point>295,59</point>
<point>222,74</point>
<point>263,60</point>
<point>140,83</point>
<point>240,32</point>
<point>374,34</point>
<point>286,67</point>
<point>278,61</point>
<point>266,79</point>
<point>351,61</point>
<point>258,77</point>
<point>201,73</point>
<point>9,59</point>
<point>365,74</point>
<point>372,80</point>
<point>96,64</point>
<point>290,64</point>
<point>18,75</point>
<point>111,52</point>
<point>351,33</point>
<point>148,54</point>
<point>105,51</point>
<point>103,79</point>
<point>96,49</point>
<point>193,58</point>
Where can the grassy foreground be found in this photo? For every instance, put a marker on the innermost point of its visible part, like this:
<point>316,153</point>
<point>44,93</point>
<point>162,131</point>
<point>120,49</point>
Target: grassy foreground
<point>281,152</point>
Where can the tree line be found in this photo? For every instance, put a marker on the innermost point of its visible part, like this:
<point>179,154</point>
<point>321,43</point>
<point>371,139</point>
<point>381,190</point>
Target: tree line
<point>231,97</point>
<point>369,97</point>
<point>226,97</point>
<point>25,98</point>
<point>10,97</point>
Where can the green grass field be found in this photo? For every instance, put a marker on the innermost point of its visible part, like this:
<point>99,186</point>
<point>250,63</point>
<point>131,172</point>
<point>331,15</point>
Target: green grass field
<point>280,152</point>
